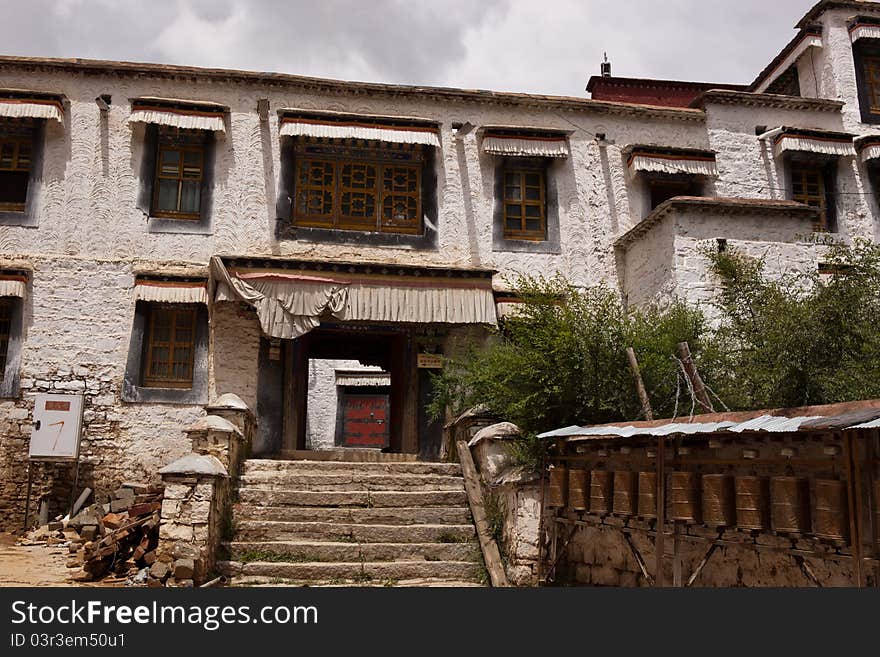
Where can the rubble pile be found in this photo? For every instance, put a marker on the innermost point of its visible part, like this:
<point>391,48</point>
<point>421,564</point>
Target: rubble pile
<point>118,537</point>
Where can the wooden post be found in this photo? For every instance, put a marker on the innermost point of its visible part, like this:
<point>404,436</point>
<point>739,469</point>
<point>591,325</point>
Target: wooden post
<point>640,384</point>
<point>684,352</point>
<point>852,490</point>
<point>659,544</point>
<point>478,510</point>
<point>676,554</point>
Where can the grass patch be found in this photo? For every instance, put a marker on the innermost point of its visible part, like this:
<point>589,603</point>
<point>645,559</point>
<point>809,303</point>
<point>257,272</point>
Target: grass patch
<point>452,537</point>
<point>266,555</point>
<point>494,506</point>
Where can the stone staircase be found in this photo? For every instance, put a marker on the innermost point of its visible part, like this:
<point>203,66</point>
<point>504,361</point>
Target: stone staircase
<point>314,523</point>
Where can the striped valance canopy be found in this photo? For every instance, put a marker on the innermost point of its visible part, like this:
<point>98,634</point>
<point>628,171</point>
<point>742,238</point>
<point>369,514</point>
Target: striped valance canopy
<point>340,125</point>
<point>812,141</point>
<point>171,290</point>
<point>291,300</point>
<point>22,104</point>
<point>524,142</point>
<point>175,113</point>
<point>864,27</point>
<point>657,159</point>
<point>13,284</point>
<point>868,148</point>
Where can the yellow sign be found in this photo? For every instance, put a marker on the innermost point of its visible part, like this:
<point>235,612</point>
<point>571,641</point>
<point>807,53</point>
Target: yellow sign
<point>430,361</point>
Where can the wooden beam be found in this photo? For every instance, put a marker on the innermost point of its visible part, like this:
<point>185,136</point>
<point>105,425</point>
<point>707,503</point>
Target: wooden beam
<point>659,545</point>
<point>474,489</point>
<point>690,368</point>
<point>639,559</point>
<point>853,490</point>
<point>647,411</point>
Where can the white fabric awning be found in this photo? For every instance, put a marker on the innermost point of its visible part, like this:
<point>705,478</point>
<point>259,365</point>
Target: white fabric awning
<point>32,108</point>
<point>189,115</point>
<point>862,31</point>
<point>525,146</point>
<point>673,163</point>
<point>366,378</point>
<point>292,304</point>
<point>171,291</point>
<point>355,128</point>
<point>12,286</point>
<point>870,152</point>
<point>807,41</point>
<point>505,309</point>
<point>813,143</point>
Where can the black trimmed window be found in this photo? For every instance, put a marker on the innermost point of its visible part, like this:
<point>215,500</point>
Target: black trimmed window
<point>866,58</point>
<point>358,185</point>
<point>813,183</point>
<point>525,203</point>
<point>664,187</point>
<point>169,346</point>
<point>16,160</point>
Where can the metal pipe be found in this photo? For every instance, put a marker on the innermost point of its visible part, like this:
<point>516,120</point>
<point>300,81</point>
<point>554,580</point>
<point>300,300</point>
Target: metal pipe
<point>217,581</point>
<point>770,133</point>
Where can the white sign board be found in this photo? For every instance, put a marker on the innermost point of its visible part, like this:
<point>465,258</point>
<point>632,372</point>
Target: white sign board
<point>57,427</point>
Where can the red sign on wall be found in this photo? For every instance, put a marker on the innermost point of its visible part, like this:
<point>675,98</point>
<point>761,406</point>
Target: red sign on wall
<point>365,421</point>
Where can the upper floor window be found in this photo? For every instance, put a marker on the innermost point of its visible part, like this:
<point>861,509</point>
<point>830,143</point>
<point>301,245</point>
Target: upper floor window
<point>810,185</point>
<point>871,71</point>
<point>180,172</point>
<point>16,143</point>
<point>866,58</point>
<point>359,185</point>
<point>663,188</point>
<point>665,172</point>
<point>525,209</point>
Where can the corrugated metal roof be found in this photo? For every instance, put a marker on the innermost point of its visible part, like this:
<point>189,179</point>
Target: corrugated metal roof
<point>866,418</point>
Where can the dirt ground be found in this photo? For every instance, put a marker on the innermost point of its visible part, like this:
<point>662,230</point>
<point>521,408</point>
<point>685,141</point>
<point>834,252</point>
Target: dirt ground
<point>33,565</point>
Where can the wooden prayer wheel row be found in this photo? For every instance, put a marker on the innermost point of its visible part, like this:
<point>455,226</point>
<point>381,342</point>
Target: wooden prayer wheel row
<point>780,504</point>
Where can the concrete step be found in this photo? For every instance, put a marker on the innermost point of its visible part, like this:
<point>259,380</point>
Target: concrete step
<point>339,467</point>
<point>360,481</point>
<point>379,572</point>
<point>309,551</point>
<point>267,530</point>
<point>429,515</point>
<point>257,581</point>
<point>270,496</point>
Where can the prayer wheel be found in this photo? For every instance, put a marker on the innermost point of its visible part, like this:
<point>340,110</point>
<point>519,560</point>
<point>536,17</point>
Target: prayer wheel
<point>790,505</point>
<point>684,495</point>
<point>624,493</point>
<point>830,516</point>
<point>647,495</point>
<point>752,496</point>
<point>577,489</point>
<point>718,500</point>
<point>600,491</point>
<point>556,491</point>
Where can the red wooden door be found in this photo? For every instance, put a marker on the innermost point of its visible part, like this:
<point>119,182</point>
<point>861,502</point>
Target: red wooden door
<point>365,420</point>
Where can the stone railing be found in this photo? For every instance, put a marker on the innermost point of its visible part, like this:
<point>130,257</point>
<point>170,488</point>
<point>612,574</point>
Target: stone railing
<point>199,487</point>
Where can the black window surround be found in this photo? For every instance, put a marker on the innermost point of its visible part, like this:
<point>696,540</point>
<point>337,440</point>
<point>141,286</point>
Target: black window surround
<point>146,191</point>
<point>286,229</point>
<point>826,165</point>
<point>28,217</point>
<point>550,167</point>
<point>10,385</point>
<point>864,52</point>
<point>132,388</point>
<point>660,187</point>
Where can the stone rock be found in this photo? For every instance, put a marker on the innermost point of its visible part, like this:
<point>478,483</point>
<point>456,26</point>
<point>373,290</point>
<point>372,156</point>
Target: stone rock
<point>184,583</point>
<point>56,526</point>
<point>160,570</point>
<point>185,551</point>
<point>124,493</point>
<point>116,506</point>
<point>184,569</point>
<point>89,532</point>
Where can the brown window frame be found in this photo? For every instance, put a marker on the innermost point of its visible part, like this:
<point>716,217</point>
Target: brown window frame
<point>17,142</point>
<point>181,148</point>
<point>523,233</point>
<point>151,379</point>
<point>871,76</point>
<point>819,200</point>
<point>383,164</point>
<point>6,313</point>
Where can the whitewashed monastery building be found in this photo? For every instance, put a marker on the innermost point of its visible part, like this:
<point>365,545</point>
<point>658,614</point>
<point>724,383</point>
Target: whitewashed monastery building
<point>169,234</point>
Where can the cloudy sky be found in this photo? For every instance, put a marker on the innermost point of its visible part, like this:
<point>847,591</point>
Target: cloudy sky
<point>549,46</point>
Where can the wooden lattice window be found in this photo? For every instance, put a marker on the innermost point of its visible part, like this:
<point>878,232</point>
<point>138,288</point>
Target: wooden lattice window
<point>808,187</point>
<point>180,168</point>
<point>872,82</point>
<point>525,209</point>
<point>352,186</point>
<point>5,330</point>
<point>170,346</point>
<point>15,169</point>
